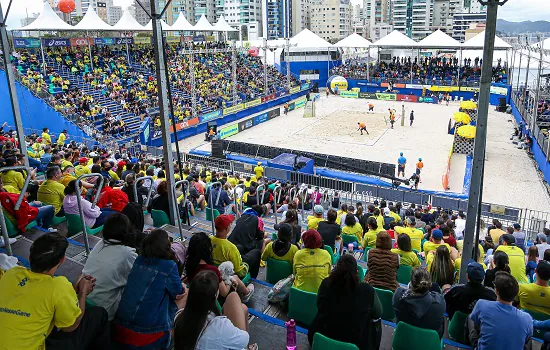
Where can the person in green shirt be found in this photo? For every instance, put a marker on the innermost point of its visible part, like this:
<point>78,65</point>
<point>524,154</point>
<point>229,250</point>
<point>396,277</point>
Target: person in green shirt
<point>281,248</point>
<point>51,191</point>
<point>404,250</point>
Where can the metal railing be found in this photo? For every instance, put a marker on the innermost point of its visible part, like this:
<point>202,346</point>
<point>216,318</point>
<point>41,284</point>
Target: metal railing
<point>81,211</point>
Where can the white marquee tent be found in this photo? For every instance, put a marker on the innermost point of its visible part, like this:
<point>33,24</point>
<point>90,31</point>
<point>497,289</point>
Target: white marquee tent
<point>222,26</point>
<point>128,23</point>
<point>165,26</point>
<point>48,20</point>
<point>203,25</point>
<point>182,24</point>
<point>307,40</point>
<point>91,21</point>
<point>478,42</point>
<point>396,40</point>
<point>354,41</point>
<point>438,40</point>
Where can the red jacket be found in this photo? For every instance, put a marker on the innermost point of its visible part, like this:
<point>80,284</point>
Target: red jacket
<point>116,198</point>
<point>25,215</point>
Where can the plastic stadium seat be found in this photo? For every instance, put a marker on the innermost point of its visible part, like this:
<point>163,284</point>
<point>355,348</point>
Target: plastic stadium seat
<point>209,214</point>
<point>537,333</point>
<point>58,219</point>
<point>12,230</point>
<point>364,256</point>
<point>333,256</point>
<point>349,239</point>
<point>361,272</point>
<point>386,299</point>
<point>407,337</point>
<point>320,342</point>
<point>276,270</point>
<point>74,226</point>
<point>246,279</point>
<point>159,218</point>
<point>404,274</point>
<point>456,327</point>
<point>302,306</point>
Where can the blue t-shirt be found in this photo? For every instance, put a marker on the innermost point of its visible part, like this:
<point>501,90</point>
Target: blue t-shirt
<point>502,326</point>
<point>401,160</point>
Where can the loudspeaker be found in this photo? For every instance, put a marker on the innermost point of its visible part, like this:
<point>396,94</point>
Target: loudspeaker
<point>217,149</point>
<point>502,101</point>
<point>501,108</point>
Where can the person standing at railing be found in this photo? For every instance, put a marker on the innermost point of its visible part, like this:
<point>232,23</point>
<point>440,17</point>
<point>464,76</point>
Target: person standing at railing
<point>46,138</point>
<point>62,137</point>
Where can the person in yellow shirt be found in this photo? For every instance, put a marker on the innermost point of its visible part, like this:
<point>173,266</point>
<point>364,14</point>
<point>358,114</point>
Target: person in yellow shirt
<point>46,139</point>
<point>404,250</point>
<point>377,213</point>
<point>39,309</point>
<point>82,168</point>
<point>516,257</point>
<point>232,180</point>
<point>435,241</point>
<point>369,239</point>
<point>352,227</point>
<point>496,232</point>
<point>314,220</point>
<point>312,264</point>
<point>281,248</point>
<point>393,214</point>
<point>341,213</point>
<point>536,296</point>
<point>62,137</point>
<point>415,234</point>
<point>51,191</point>
<point>259,170</point>
<point>14,181</point>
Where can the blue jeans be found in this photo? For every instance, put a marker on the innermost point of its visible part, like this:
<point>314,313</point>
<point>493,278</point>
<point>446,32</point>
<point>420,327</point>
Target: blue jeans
<point>45,215</point>
<point>105,213</point>
<point>36,164</point>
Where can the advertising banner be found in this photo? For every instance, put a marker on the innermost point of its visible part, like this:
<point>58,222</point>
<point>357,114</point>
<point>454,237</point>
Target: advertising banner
<point>281,93</point>
<point>229,131</point>
<point>82,41</point>
<point>124,41</point>
<point>417,86</point>
<point>198,38</point>
<point>210,38</point>
<point>291,106</point>
<point>386,97</point>
<point>443,88</point>
<point>260,118</point>
<point>428,99</point>
<point>274,113</point>
<point>173,39</point>
<point>142,40</point>
<point>104,41</point>
<point>185,124</point>
<point>299,103</point>
<point>407,98</point>
<point>469,89</point>
<point>304,86</point>
<point>188,38</point>
<point>396,85</point>
<point>210,116</point>
<point>498,90</point>
<point>294,90</point>
<point>367,95</point>
<point>268,98</point>
<point>367,83</point>
<point>337,81</point>
<point>26,42</point>
<point>253,103</point>
<point>246,124</point>
<point>349,94</point>
<point>56,42</point>
<point>233,109</point>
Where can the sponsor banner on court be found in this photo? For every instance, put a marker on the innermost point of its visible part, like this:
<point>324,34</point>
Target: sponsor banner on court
<point>142,40</point>
<point>268,98</point>
<point>124,41</point>
<point>349,94</point>
<point>428,99</point>
<point>469,89</point>
<point>367,95</point>
<point>56,42</point>
<point>443,88</point>
<point>253,103</point>
<point>291,106</point>
<point>498,90</point>
<point>173,39</point>
<point>261,118</point>
<point>82,41</point>
<point>294,90</point>
<point>210,116</point>
<point>185,124</point>
<point>246,124</point>
<point>396,85</point>
<point>275,112</point>
<point>281,93</point>
<point>304,86</point>
<point>386,97</point>
<point>210,38</point>
<point>233,109</point>
<point>407,98</point>
<point>367,83</point>
<point>104,41</point>
<point>26,42</point>
<point>198,38</point>
<point>188,38</point>
<point>417,86</point>
<point>229,131</point>
<point>300,103</point>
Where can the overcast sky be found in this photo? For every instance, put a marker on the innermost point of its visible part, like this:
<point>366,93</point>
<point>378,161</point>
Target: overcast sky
<point>513,10</point>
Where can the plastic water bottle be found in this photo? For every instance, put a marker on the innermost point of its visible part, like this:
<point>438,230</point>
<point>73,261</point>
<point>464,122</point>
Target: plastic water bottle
<point>290,335</point>
<point>350,248</point>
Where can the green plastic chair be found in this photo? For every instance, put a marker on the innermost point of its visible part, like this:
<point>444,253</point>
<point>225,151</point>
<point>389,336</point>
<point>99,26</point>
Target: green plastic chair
<point>404,274</point>
<point>58,219</point>
<point>386,299</point>
<point>349,239</point>
<point>14,231</point>
<point>209,214</point>
<point>246,279</point>
<point>456,327</point>
<point>333,256</point>
<point>276,270</point>
<point>159,218</point>
<point>407,337</point>
<point>364,256</point>
<point>361,272</point>
<point>74,226</point>
<point>320,342</point>
<point>537,333</point>
<point>302,306</point>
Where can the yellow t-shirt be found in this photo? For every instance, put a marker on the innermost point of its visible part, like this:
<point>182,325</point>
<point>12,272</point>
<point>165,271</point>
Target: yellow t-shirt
<point>65,163</point>
<point>81,170</point>
<point>311,267</point>
<point>428,246</point>
<point>395,216</point>
<point>52,193</point>
<point>407,258</point>
<point>223,250</point>
<point>533,297</point>
<point>495,234</point>
<point>380,221</point>
<point>31,305</point>
<point>369,239</point>
<point>288,257</point>
<point>415,235</point>
<point>355,230</point>
<point>14,179</point>
<point>232,181</point>
<point>66,179</point>
<point>61,139</point>
<point>313,222</point>
<point>259,171</point>
<point>114,175</point>
<point>517,262</point>
<point>46,139</point>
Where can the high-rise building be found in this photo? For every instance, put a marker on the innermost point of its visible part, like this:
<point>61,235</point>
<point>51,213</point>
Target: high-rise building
<point>331,19</point>
<point>277,19</point>
<point>378,31</point>
<point>301,15</point>
<point>114,15</point>
<point>444,11</point>
<point>141,16</point>
<point>414,18</point>
<point>177,6</point>
<point>377,11</point>
<point>206,8</point>
<point>463,21</point>
<point>239,12</point>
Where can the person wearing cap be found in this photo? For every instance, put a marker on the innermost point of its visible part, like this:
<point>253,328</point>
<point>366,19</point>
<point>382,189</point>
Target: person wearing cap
<point>249,232</point>
<point>282,248</point>
<point>516,257</point>
<point>401,163</point>
<point>312,264</point>
<point>542,244</point>
<point>82,167</point>
<point>463,297</point>
<point>62,137</point>
<point>314,220</point>
<point>419,167</point>
<point>411,230</point>
<point>520,236</point>
<point>224,250</point>
<point>259,170</point>
<point>387,218</point>
<point>536,296</point>
<point>435,241</point>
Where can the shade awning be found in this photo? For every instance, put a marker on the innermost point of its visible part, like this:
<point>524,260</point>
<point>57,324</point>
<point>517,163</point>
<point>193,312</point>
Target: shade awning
<point>306,39</point>
<point>355,41</point>
<point>396,39</point>
<point>91,21</point>
<point>47,20</point>
<point>182,24</point>
<point>439,40</point>
<point>478,42</point>
<point>165,26</point>
<point>203,25</point>
<point>222,26</point>
<point>128,23</point>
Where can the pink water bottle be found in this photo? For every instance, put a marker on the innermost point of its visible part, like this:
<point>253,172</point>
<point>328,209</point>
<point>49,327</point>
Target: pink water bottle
<point>350,248</point>
<point>290,335</point>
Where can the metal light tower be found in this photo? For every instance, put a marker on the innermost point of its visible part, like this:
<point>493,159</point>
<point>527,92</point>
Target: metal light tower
<point>265,66</point>
<point>193,82</point>
<point>287,60</point>
<point>233,72</point>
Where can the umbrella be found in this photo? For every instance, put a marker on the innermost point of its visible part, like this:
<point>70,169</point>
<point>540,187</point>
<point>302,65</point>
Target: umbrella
<point>467,131</point>
<point>468,105</point>
<point>462,117</point>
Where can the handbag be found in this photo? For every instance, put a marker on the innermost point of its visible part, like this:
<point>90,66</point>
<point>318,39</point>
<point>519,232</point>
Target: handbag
<point>280,290</point>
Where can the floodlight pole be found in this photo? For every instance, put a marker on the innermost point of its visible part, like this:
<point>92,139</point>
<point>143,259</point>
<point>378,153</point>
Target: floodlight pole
<point>233,72</point>
<point>192,80</point>
<point>527,71</point>
<point>476,188</point>
<point>8,68</point>
<point>537,91</point>
<point>265,67</point>
<point>287,59</point>
<point>520,57</point>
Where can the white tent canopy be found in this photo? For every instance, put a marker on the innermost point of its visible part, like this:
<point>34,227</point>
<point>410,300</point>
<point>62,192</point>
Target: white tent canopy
<point>182,24</point>
<point>48,20</point>
<point>438,40</point>
<point>222,26</point>
<point>478,42</point>
<point>91,21</point>
<point>128,23</point>
<point>306,40</point>
<point>355,41</point>
<point>165,26</point>
<point>203,25</point>
<point>396,40</point>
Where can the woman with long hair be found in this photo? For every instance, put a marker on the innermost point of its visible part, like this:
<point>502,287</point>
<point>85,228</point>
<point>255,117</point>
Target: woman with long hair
<point>352,227</point>
<point>201,326</point>
<point>341,296</point>
<point>532,261</point>
<point>291,218</point>
<point>404,250</point>
<point>442,268</point>
<point>282,248</point>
